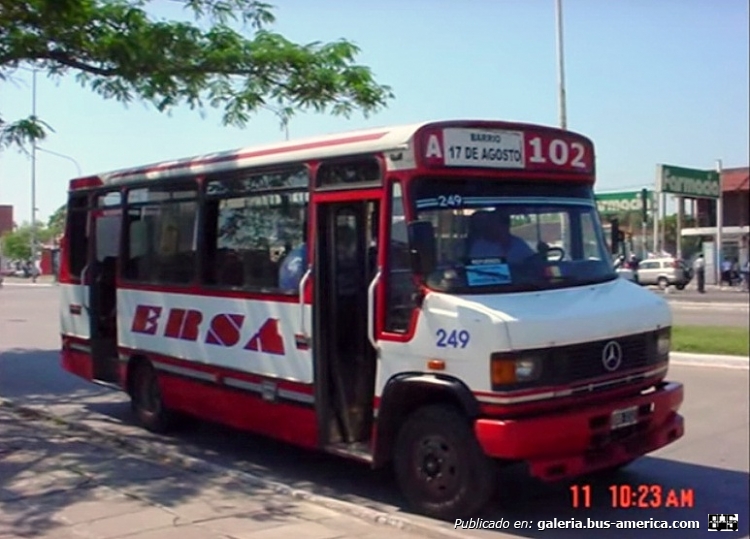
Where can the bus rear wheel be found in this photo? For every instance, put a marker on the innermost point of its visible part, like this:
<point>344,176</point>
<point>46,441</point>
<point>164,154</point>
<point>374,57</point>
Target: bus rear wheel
<point>146,401</point>
<point>440,466</point>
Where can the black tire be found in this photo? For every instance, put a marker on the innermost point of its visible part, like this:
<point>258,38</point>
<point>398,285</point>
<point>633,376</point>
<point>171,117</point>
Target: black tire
<point>663,283</point>
<point>680,286</point>
<point>440,466</point>
<point>146,401</point>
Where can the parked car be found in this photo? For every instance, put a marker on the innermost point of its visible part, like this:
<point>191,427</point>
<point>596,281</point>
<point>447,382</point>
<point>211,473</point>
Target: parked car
<point>624,269</point>
<point>627,273</point>
<point>664,272</point>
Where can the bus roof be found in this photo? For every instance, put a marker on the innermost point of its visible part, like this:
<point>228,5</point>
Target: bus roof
<point>364,141</point>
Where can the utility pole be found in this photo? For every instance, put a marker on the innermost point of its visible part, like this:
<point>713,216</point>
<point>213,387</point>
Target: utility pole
<point>33,179</point>
<point>560,66</point>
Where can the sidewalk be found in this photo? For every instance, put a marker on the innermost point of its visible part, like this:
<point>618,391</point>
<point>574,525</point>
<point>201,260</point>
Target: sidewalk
<point>42,281</point>
<point>56,485</point>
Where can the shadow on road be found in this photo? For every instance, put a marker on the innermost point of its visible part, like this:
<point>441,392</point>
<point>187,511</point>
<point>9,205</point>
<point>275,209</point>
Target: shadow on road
<point>712,490</point>
<point>50,480</point>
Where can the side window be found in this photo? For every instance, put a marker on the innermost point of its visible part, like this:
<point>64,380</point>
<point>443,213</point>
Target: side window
<point>108,221</point>
<point>365,170</point>
<point>591,247</point>
<point>162,235</point>
<point>77,235</point>
<point>399,279</point>
<point>256,241</point>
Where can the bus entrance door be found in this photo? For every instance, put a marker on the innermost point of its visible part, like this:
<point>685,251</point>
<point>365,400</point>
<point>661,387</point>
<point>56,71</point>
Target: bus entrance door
<point>102,273</point>
<point>345,361</point>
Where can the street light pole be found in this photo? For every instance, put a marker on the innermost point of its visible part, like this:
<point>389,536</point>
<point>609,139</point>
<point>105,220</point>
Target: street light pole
<point>33,179</point>
<point>560,66</point>
<point>78,167</point>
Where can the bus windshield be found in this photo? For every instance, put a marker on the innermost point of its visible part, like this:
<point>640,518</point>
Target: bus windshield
<point>512,236</point>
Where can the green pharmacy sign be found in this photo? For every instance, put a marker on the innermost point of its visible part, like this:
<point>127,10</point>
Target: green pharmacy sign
<point>622,202</point>
<point>689,182</point>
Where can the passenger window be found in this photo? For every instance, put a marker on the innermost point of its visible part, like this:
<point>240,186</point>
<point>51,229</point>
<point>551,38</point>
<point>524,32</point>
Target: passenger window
<point>344,173</point>
<point>77,234</point>
<point>256,241</point>
<point>107,224</point>
<point>162,235</point>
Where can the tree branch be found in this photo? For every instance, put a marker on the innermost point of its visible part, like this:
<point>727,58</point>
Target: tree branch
<point>66,60</point>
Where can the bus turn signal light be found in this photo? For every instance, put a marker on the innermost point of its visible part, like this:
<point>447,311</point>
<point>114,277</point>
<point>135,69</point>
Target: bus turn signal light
<point>436,365</point>
<point>503,371</point>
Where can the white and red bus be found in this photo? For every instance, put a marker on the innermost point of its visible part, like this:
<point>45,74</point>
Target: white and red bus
<point>435,297</point>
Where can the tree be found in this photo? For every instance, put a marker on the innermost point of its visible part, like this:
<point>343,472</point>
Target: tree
<point>16,245</point>
<point>56,221</point>
<point>120,52</point>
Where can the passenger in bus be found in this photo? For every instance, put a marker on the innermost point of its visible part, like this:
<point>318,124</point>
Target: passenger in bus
<point>294,265</point>
<point>490,237</point>
<point>349,277</point>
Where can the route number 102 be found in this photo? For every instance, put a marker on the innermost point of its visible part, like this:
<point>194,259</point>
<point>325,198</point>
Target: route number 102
<point>558,151</point>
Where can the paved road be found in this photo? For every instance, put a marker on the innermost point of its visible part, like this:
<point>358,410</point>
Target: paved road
<point>711,459</point>
<point>727,307</point>
<point>712,295</point>
<point>696,314</point>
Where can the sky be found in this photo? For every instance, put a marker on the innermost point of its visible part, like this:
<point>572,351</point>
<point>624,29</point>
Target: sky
<point>648,81</point>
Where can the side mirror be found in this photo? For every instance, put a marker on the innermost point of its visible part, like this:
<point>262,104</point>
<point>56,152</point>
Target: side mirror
<point>422,247</point>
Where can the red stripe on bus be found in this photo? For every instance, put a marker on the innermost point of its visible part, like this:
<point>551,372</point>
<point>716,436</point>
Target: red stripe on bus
<point>246,411</point>
<point>221,372</point>
<point>254,153</point>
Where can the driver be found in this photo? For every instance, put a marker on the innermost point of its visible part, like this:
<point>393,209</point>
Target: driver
<point>496,241</point>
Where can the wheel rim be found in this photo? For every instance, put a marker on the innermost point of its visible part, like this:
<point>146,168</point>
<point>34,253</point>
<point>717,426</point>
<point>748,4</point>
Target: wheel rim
<point>436,467</point>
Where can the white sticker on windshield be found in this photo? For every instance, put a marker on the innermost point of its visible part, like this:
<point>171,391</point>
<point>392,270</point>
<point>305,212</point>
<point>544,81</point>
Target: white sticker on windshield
<point>488,274</point>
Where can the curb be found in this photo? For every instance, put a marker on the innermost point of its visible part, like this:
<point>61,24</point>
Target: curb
<point>27,285</point>
<point>709,360</point>
<point>717,305</point>
<point>196,465</point>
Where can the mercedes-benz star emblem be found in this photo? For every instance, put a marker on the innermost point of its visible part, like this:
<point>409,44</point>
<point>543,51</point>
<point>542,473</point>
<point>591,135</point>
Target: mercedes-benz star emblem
<point>612,356</point>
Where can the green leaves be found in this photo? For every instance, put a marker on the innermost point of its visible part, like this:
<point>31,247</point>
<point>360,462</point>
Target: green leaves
<point>117,50</point>
<point>21,132</point>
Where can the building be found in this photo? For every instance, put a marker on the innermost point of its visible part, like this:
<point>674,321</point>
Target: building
<point>735,201</point>
<point>6,219</point>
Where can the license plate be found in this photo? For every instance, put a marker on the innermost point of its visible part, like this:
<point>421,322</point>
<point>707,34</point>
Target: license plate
<point>624,417</point>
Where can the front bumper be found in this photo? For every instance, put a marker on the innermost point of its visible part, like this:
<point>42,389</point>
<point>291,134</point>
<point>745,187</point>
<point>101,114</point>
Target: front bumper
<point>577,442</point>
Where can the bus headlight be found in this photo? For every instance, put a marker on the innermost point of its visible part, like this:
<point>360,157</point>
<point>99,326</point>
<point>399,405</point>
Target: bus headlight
<point>507,370</point>
<point>663,343</point>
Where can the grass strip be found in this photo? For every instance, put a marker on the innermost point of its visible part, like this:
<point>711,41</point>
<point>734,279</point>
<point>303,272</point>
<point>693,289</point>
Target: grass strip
<point>730,341</point>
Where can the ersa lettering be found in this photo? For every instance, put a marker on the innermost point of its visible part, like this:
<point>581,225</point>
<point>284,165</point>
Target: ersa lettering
<point>223,329</point>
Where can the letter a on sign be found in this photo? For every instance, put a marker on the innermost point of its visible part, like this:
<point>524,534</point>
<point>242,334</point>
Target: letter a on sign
<point>433,148</point>
<point>268,339</point>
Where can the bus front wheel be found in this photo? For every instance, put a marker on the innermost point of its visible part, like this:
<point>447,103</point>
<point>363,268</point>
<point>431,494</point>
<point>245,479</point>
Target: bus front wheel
<point>146,400</point>
<point>440,466</point>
